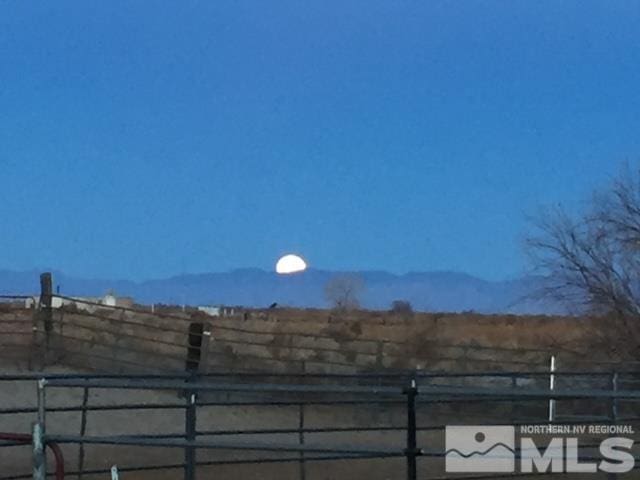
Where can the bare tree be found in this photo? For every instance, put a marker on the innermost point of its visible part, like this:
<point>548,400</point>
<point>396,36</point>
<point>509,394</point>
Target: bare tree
<point>343,291</point>
<point>591,261</point>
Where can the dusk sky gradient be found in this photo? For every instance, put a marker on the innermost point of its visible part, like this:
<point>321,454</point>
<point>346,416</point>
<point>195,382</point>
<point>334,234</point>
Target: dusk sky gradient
<point>146,139</point>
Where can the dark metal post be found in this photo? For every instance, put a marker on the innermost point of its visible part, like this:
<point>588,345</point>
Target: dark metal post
<point>42,407</point>
<point>190,433</point>
<point>83,430</point>
<point>411,451</point>
<point>303,472</point>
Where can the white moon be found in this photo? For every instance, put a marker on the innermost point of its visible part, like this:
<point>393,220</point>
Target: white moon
<point>291,264</point>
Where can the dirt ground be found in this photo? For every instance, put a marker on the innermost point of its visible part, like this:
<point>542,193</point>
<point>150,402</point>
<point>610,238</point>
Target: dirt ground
<point>17,460</point>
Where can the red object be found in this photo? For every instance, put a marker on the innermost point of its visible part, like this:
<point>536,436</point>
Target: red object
<point>25,439</point>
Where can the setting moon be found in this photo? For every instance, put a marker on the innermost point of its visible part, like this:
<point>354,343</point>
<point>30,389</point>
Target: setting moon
<point>291,264</point>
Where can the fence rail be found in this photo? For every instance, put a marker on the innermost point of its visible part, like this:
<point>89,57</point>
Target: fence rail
<point>413,393</point>
<point>85,333</point>
<point>394,414</point>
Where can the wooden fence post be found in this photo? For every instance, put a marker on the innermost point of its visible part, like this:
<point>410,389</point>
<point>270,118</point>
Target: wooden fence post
<point>197,339</point>
<point>46,313</point>
<point>204,348</point>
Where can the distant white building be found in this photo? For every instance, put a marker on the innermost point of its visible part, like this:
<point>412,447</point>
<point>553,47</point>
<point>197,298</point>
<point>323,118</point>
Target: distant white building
<point>212,311</point>
<point>109,300</point>
<point>56,302</point>
<point>88,304</point>
<point>218,311</point>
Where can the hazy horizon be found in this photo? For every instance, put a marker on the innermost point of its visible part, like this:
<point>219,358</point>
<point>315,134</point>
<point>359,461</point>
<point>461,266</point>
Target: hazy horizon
<point>37,271</point>
<point>425,291</point>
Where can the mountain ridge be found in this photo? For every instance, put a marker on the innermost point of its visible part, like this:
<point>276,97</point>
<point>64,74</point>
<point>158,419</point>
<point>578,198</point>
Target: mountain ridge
<point>443,291</point>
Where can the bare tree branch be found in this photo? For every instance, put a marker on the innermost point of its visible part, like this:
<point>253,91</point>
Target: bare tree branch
<point>343,291</point>
<point>591,262</point>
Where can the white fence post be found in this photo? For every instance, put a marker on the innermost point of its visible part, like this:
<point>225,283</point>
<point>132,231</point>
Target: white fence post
<point>552,386</point>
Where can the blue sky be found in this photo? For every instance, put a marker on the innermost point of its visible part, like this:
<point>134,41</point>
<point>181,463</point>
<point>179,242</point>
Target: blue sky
<point>141,140</point>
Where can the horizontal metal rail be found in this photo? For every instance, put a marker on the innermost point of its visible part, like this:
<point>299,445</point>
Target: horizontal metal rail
<point>397,374</point>
<point>223,387</point>
<point>513,393</point>
<point>431,387</point>
<point>182,406</point>
<point>178,443</point>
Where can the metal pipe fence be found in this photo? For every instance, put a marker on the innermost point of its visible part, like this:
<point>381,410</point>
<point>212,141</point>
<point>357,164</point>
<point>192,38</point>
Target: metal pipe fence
<point>421,403</point>
<point>410,392</point>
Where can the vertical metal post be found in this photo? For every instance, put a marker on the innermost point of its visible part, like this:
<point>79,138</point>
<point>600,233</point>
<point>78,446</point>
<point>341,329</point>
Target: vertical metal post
<point>552,387</point>
<point>35,349</point>
<point>514,385</point>
<point>614,401</point>
<point>411,451</point>
<point>614,411</point>
<point>42,403</point>
<point>83,431</point>
<point>39,458</point>
<point>190,434</point>
<point>303,469</point>
<point>39,452</point>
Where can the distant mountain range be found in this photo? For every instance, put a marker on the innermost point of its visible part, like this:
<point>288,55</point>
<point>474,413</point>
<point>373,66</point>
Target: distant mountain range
<point>427,291</point>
